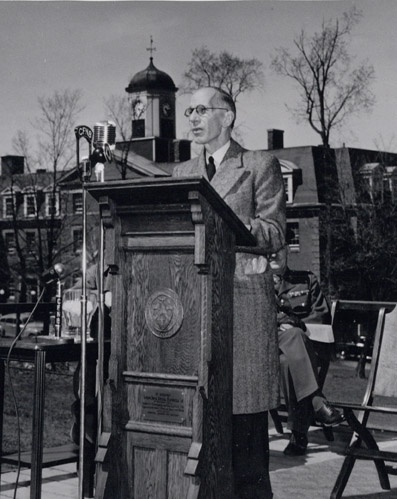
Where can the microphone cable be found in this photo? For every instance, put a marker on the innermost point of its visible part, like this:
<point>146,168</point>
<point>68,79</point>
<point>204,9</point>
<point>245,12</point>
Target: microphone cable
<point>15,402</point>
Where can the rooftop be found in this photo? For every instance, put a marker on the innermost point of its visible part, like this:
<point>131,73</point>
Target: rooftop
<point>151,78</point>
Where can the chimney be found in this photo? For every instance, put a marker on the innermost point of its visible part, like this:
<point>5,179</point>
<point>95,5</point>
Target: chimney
<point>12,165</point>
<point>275,139</point>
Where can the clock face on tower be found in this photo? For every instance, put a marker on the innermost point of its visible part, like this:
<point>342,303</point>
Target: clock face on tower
<point>166,109</point>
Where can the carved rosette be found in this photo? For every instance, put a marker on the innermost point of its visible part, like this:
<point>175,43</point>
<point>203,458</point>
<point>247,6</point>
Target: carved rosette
<point>164,313</point>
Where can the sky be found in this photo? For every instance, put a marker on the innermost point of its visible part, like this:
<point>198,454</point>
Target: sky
<point>98,46</point>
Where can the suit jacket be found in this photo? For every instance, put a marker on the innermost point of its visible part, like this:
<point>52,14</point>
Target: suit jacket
<point>250,182</point>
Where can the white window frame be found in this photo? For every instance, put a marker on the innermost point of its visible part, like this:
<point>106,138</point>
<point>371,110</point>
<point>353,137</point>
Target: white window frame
<point>48,197</point>
<point>26,196</point>
<point>5,199</point>
<point>289,187</point>
<point>294,247</point>
<point>30,250</point>
<point>77,193</point>
<point>7,247</point>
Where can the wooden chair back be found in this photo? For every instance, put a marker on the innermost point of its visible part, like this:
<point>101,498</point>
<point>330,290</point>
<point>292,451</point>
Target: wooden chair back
<point>385,378</point>
<point>382,381</point>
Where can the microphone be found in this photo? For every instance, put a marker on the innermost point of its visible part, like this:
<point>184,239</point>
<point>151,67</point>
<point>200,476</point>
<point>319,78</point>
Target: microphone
<point>53,273</point>
<point>105,133</point>
<point>104,144</point>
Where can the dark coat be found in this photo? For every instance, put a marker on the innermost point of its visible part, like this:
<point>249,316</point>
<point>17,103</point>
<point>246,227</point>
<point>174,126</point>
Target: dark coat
<point>251,183</point>
<point>299,294</point>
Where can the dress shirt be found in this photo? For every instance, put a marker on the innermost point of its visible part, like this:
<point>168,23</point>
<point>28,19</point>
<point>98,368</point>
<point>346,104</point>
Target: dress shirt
<point>219,154</point>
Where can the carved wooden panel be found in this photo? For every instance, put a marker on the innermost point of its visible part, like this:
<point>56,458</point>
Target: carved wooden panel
<point>169,393</point>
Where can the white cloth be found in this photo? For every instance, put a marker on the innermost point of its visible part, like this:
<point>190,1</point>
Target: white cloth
<point>320,332</point>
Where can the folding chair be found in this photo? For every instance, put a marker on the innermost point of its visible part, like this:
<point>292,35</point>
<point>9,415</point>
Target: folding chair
<point>382,381</point>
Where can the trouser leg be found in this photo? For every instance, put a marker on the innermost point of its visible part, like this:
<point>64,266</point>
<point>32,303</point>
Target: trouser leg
<point>251,456</point>
<point>299,378</point>
<point>323,353</point>
<point>90,400</point>
<point>301,364</point>
<point>300,413</point>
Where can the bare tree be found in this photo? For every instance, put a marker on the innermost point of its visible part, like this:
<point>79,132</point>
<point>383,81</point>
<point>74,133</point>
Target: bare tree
<point>331,87</point>
<point>223,70</point>
<point>122,111</point>
<point>53,151</point>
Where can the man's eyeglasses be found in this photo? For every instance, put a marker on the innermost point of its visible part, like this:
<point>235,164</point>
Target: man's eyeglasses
<point>201,110</point>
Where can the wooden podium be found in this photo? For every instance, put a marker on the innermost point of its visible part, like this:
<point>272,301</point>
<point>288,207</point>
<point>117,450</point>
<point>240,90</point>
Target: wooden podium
<point>168,400</point>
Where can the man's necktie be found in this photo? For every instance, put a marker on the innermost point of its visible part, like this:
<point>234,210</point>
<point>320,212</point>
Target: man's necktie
<point>210,167</point>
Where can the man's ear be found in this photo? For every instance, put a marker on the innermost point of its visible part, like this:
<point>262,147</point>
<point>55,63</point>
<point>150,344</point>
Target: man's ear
<point>228,119</point>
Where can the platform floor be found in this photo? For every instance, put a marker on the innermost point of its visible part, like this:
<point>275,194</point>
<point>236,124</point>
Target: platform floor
<point>307,477</point>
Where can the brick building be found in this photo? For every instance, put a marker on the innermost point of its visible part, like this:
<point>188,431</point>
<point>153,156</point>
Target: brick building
<point>36,234</point>
<point>320,182</point>
<point>30,222</point>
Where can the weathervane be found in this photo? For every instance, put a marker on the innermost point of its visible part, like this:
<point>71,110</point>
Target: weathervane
<point>151,49</point>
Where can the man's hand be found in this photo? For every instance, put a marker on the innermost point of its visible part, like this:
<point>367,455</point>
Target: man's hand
<point>108,299</point>
<point>284,327</point>
<point>256,266</point>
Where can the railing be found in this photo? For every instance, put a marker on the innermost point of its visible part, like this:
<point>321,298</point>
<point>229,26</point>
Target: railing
<point>42,313</point>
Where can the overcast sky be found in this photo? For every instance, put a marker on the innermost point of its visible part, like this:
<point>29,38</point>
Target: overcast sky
<point>98,46</point>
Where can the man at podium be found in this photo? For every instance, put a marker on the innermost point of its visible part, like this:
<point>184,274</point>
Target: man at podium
<point>250,182</point>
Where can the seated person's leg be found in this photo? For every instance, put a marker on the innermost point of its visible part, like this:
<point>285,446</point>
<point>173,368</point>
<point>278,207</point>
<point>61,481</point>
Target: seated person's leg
<point>323,352</point>
<point>90,421</point>
<point>301,389</point>
<point>90,391</point>
<point>292,344</point>
<point>299,413</point>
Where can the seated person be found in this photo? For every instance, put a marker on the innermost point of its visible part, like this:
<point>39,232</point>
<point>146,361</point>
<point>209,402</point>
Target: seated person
<point>90,393</point>
<point>300,302</point>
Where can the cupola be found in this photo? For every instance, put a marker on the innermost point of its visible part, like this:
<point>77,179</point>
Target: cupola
<point>151,94</point>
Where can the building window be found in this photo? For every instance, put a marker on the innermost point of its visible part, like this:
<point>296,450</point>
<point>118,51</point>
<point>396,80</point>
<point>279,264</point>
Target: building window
<point>372,175</point>
<point>8,207</point>
<point>9,239</point>
<point>167,129</point>
<point>30,205</point>
<point>52,204</point>
<point>138,128</point>
<point>77,199</point>
<point>12,293</point>
<point>53,235</point>
<point>30,241</point>
<point>390,182</point>
<point>293,236</point>
<point>77,236</point>
<point>288,186</point>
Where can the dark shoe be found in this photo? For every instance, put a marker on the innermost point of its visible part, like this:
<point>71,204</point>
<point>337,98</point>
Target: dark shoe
<point>297,445</point>
<point>328,415</point>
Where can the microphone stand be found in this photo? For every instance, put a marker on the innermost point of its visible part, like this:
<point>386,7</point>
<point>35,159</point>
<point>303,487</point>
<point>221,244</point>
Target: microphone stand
<point>58,312</point>
<point>98,161</point>
<point>85,132</point>
<point>100,155</point>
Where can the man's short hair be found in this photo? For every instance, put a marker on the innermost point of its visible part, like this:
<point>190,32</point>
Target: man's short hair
<point>228,100</point>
